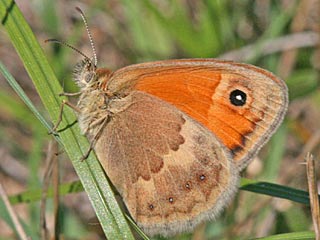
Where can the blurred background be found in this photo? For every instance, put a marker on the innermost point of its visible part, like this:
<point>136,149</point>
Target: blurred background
<point>281,36</point>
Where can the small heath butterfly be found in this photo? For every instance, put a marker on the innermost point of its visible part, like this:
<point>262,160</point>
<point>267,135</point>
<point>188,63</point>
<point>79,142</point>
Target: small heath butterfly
<point>173,135</point>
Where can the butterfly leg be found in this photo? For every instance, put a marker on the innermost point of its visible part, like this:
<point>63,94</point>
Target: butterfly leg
<point>70,94</point>
<point>95,138</point>
<point>64,102</point>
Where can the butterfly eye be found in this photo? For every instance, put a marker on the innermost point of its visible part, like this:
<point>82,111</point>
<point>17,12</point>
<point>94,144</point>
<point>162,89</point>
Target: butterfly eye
<point>238,97</point>
<point>89,77</point>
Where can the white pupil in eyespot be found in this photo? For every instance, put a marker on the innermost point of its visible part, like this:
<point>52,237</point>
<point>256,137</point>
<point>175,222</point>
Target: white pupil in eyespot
<point>239,97</point>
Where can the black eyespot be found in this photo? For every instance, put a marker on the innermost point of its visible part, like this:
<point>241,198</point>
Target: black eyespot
<point>238,98</point>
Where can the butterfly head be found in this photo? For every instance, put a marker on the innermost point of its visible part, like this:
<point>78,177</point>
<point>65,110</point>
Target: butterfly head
<point>84,73</point>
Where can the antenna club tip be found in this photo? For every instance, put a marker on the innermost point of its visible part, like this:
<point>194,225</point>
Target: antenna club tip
<point>79,10</point>
<point>50,40</point>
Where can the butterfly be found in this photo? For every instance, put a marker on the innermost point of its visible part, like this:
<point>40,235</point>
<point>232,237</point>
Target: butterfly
<point>173,135</point>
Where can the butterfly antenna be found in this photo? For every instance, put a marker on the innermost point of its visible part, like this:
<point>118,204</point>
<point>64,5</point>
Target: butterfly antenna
<point>69,46</point>
<point>89,35</point>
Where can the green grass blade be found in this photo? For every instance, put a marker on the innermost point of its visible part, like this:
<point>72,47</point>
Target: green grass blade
<point>275,190</point>
<point>306,235</point>
<point>35,195</point>
<point>16,87</point>
<point>90,172</point>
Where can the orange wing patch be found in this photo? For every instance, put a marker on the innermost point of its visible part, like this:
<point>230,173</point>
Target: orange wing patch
<point>190,90</point>
<point>194,91</point>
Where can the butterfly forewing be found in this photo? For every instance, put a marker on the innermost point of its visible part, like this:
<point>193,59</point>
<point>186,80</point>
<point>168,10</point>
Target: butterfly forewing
<point>241,104</point>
